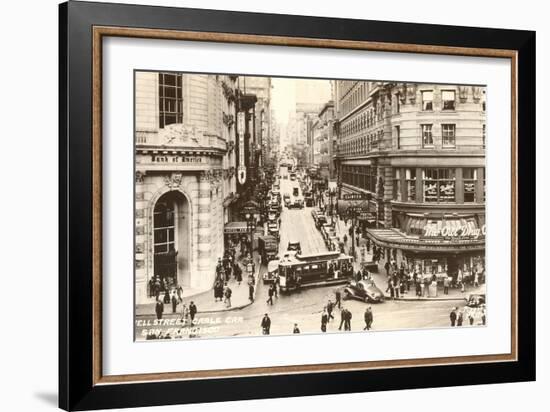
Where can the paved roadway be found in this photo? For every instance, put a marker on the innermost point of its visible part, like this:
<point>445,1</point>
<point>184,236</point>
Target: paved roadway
<point>297,224</point>
<point>306,306</point>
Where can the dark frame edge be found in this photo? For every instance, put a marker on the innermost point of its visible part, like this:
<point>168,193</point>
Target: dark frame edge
<point>63,332</point>
<point>526,205</point>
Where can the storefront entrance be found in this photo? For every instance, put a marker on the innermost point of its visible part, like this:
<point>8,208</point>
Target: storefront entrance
<point>171,241</point>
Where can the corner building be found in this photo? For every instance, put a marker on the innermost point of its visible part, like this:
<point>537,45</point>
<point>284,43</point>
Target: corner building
<point>185,173</point>
<point>417,152</point>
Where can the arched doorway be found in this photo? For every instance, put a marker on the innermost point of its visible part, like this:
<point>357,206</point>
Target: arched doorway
<point>171,240</point>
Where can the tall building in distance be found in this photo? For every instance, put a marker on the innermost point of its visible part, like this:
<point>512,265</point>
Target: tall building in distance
<point>415,155</point>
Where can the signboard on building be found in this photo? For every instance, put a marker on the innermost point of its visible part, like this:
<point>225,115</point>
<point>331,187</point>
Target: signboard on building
<point>457,232</point>
<point>356,196</point>
<point>241,170</point>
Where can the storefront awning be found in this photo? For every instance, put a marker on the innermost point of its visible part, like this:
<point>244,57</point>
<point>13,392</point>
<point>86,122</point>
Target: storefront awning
<point>236,227</point>
<point>392,238</point>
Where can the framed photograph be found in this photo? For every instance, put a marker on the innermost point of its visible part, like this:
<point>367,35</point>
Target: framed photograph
<point>257,206</point>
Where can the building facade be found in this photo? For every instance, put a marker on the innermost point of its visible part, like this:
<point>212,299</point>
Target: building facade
<point>185,177</point>
<point>416,154</point>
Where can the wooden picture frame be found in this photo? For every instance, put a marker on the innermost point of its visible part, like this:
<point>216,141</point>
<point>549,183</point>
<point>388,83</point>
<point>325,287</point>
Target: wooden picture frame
<point>82,28</point>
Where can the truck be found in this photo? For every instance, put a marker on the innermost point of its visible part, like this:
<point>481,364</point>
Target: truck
<point>268,247</point>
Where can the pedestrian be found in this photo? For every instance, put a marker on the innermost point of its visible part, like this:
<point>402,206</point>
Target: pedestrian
<point>296,329</point>
<point>167,298</point>
<point>470,319</point>
<point>238,273</point>
<point>174,303</point>
<point>446,285</point>
<point>418,289</point>
<point>251,292</point>
<point>476,278</point>
<point>192,311</point>
<point>483,318</point>
<point>324,320</point>
<point>227,294</point>
<point>387,267</point>
<point>396,287</point>
<point>347,323</point>
<point>266,324</point>
<point>427,286</point>
<point>270,295</point>
<point>276,284</point>
<point>342,317</point>
<point>460,318</point>
<point>338,297</point>
<point>330,307</point>
<point>179,291</point>
<point>159,309</point>
<point>368,318</point>
<point>390,288</point>
<point>453,316</point>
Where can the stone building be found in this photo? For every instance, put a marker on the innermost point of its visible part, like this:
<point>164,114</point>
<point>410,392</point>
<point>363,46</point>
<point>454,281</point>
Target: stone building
<point>415,155</point>
<point>185,174</point>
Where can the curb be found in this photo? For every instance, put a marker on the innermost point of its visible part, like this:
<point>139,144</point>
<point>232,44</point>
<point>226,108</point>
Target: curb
<point>428,299</point>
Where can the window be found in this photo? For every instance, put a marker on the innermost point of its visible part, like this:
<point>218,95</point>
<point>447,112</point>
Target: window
<point>410,181</point>
<point>398,136</point>
<point>470,178</point>
<point>483,136</point>
<point>439,185</point>
<point>427,137</point>
<point>170,99</point>
<point>448,97</point>
<point>397,185</point>
<point>448,134</point>
<point>164,224</point>
<point>427,100</point>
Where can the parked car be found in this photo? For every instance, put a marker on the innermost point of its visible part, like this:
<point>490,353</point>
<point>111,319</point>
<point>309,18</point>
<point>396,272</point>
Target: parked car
<point>365,290</point>
<point>476,300</point>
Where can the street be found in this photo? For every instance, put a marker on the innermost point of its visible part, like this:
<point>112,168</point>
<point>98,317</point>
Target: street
<point>305,308</point>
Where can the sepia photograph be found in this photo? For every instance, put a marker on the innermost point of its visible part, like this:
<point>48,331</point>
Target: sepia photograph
<point>285,206</point>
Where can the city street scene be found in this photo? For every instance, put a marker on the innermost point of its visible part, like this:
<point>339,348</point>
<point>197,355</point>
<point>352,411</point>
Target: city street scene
<point>279,206</point>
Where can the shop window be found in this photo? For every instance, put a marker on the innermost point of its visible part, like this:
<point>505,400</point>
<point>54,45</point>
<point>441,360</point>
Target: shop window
<point>427,100</point>
<point>397,185</point>
<point>439,185</point>
<point>470,178</point>
<point>448,135</point>
<point>448,97</point>
<point>427,136</point>
<point>170,99</point>
<point>410,181</point>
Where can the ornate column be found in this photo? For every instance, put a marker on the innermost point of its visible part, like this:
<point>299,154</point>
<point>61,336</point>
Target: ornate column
<point>203,235</point>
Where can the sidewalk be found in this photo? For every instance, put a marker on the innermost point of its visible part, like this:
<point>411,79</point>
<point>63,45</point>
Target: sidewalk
<point>381,279</point>
<point>205,300</point>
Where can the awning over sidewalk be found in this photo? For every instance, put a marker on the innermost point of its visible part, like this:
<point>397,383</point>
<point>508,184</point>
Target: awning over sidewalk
<point>236,227</point>
<point>392,238</point>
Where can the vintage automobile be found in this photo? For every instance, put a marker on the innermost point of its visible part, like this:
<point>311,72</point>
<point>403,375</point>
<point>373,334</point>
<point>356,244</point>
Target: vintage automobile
<point>294,245</point>
<point>286,199</point>
<point>476,300</point>
<point>365,290</point>
<point>308,199</point>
